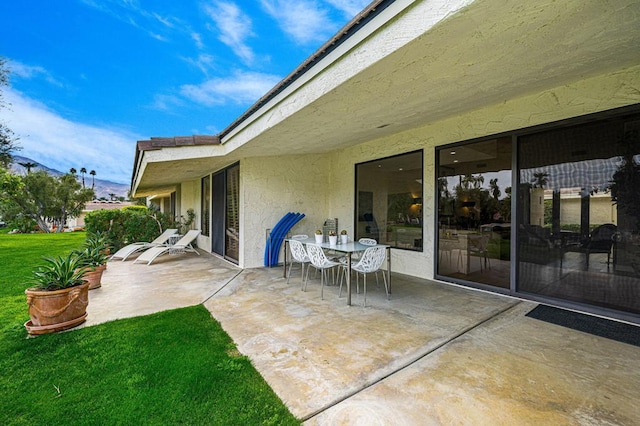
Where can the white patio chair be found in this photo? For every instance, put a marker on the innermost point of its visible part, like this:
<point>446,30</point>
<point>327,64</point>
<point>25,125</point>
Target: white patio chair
<point>319,261</point>
<point>129,249</point>
<point>357,255</point>
<point>371,262</point>
<point>367,241</point>
<point>300,237</point>
<point>183,245</point>
<point>478,245</point>
<point>298,255</point>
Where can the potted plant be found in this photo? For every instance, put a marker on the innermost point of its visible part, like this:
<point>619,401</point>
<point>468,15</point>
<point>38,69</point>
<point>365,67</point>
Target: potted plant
<point>344,238</point>
<point>93,262</point>
<point>98,240</point>
<point>333,238</point>
<point>319,236</point>
<point>58,300</point>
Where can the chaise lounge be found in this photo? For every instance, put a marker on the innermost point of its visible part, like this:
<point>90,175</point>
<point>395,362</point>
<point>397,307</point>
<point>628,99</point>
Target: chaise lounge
<point>129,249</point>
<point>183,245</point>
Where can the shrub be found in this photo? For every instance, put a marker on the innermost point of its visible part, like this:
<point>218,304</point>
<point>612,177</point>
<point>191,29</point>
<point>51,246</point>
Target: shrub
<point>23,224</point>
<point>127,225</point>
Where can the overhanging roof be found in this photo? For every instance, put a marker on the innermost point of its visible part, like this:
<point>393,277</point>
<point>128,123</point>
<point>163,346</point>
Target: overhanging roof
<point>468,54</point>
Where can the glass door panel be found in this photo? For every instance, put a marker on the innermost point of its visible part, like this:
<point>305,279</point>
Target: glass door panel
<point>232,217</point>
<point>474,212</point>
<point>579,214</point>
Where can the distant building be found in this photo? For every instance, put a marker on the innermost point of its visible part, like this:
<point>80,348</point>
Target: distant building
<point>78,222</point>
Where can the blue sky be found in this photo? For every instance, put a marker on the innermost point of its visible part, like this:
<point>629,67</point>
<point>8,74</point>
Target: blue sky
<point>91,77</point>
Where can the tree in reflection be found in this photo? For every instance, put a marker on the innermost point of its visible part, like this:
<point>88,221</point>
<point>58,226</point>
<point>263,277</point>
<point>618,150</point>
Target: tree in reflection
<point>625,185</point>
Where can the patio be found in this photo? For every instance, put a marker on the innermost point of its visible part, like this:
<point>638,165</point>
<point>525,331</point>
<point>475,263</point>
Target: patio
<point>433,354</point>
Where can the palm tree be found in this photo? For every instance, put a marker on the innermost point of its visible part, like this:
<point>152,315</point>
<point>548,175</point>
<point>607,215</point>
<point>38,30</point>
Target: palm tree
<point>73,171</point>
<point>28,165</point>
<point>111,196</point>
<point>93,179</point>
<point>540,179</point>
<point>82,172</point>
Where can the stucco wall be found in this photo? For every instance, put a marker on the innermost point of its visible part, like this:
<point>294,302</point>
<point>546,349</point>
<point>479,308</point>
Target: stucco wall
<point>273,186</point>
<point>322,185</point>
<point>190,199</point>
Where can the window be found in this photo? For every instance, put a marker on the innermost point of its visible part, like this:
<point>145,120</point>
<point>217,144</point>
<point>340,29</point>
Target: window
<point>389,200</point>
<point>232,216</point>
<point>474,211</point>
<point>579,213</point>
<point>206,205</point>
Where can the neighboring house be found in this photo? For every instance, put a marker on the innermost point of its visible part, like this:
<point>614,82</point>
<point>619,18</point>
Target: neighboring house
<point>425,123</point>
<point>78,222</point>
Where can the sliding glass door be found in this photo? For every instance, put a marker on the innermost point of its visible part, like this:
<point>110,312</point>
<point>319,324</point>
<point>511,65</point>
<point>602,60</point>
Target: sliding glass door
<point>226,213</point>
<point>576,227</point>
<point>579,214</point>
<point>474,212</point>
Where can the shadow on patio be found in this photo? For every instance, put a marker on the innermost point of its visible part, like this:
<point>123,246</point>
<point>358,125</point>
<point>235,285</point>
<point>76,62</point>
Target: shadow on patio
<point>433,354</point>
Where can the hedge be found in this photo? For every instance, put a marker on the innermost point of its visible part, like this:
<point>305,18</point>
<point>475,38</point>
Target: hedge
<point>127,225</point>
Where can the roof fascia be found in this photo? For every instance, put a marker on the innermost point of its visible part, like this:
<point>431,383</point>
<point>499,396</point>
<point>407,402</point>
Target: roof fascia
<point>376,15</point>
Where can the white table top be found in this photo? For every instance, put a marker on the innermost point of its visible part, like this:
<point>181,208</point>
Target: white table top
<point>350,247</point>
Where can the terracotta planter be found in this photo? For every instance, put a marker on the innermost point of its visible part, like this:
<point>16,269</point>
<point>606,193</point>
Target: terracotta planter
<point>94,276</point>
<point>56,310</point>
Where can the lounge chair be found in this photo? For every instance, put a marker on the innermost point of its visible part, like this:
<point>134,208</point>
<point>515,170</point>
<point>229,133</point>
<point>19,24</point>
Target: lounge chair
<point>183,245</point>
<point>129,249</point>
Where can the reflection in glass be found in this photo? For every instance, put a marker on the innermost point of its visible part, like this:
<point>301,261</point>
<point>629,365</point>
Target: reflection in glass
<point>474,212</point>
<point>389,200</point>
<point>579,214</point>
<point>232,214</point>
<point>205,205</point>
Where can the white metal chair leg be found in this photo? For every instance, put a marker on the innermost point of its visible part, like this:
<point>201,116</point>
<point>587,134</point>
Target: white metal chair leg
<point>365,290</point>
<point>289,274</point>
<point>306,280</point>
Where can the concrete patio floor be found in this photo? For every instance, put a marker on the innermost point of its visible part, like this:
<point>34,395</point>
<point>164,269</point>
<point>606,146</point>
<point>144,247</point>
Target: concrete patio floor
<point>433,354</point>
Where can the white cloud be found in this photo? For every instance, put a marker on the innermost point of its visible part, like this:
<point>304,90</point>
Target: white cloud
<point>197,38</point>
<point>234,27</point>
<point>204,62</point>
<point>56,142</point>
<point>132,13</point>
<point>304,20</point>
<point>241,88</point>
<point>29,72</point>
<point>349,7</point>
<point>166,103</point>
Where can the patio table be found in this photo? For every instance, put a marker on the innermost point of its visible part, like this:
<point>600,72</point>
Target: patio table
<point>348,248</point>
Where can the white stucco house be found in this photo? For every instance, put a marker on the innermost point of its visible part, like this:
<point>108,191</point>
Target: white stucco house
<point>423,100</point>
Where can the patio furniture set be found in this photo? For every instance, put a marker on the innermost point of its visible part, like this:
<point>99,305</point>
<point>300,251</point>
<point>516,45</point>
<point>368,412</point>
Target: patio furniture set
<point>339,258</point>
<point>169,242</point>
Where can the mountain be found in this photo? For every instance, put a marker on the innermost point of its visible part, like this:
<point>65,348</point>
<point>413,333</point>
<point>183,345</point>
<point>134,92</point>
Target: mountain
<point>102,187</point>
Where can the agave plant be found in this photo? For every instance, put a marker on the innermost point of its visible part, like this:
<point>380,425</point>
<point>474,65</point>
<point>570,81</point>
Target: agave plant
<point>96,240</point>
<point>91,256</point>
<point>59,272</point>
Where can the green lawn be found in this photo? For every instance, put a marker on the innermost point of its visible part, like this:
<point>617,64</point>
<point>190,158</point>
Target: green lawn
<point>174,367</point>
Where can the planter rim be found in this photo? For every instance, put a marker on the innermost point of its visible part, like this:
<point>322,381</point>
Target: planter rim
<point>37,291</point>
